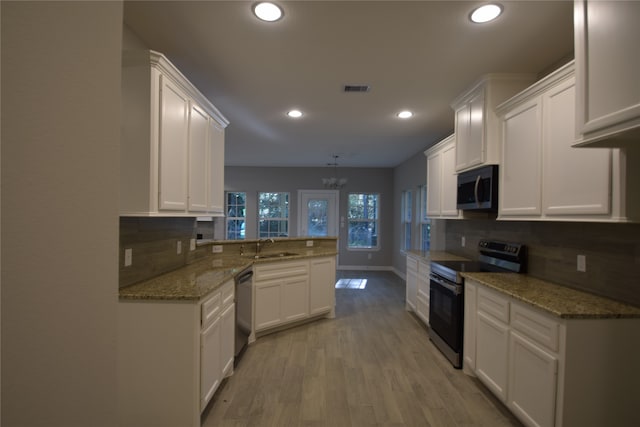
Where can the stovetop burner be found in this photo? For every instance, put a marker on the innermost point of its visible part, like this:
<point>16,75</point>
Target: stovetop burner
<point>494,257</point>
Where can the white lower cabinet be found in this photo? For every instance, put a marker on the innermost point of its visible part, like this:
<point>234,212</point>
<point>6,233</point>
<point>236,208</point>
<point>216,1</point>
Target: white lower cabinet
<point>322,279</point>
<point>227,340</point>
<point>411,283</point>
<point>532,381</point>
<point>552,371</point>
<point>470,321</point>
<point>172,357</point>
<point>210,370</point>
<point>492,353</point>
<point>290,291</point>
<point>423,297</point>
<point>417,283</point>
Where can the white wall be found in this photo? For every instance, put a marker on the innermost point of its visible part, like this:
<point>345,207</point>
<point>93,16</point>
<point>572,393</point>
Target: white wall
<point>60,160</point>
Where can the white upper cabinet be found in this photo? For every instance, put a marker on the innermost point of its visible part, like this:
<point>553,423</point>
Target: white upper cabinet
<point>172,145</point>
<point>477,127</point>
<point>542,176</point>
<point>607,69</point>
<point>174,106</point>
<point>520,166</point>
<point>216,171</point>
<point>198,160</point>
<point>442,184</point>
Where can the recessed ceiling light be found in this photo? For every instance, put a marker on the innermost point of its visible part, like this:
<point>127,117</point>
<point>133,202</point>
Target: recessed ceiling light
<point>267,11</point>
<point>486,13</point>
<point>294,114</point>
<point>405,114</point>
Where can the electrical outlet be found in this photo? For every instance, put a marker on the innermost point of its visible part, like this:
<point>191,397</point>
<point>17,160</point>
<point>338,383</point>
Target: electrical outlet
<point>128,257</point>
<point>369,256</point>
<point>192,245</point>
<point>216,249</point>
<point>309,243</point>
<point>179,247</point>
<point>582,263</point>
<point>463,241</point>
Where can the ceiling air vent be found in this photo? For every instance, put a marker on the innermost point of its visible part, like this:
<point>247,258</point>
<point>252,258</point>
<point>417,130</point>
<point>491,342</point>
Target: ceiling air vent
<point>357,88</point>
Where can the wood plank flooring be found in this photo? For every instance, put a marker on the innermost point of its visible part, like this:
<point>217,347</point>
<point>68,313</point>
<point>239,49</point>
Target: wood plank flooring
<point>373,365</point>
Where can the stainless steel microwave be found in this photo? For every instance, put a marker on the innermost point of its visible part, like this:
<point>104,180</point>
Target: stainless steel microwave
<point>478,189</point>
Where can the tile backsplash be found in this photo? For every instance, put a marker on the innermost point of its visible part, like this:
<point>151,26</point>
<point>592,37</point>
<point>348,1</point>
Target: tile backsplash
<point>612,252</point>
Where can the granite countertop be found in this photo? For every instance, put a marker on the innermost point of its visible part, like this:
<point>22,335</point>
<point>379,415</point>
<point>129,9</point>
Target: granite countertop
<point>557,300</point>
<point>435,255</point>
<point>195,281</point>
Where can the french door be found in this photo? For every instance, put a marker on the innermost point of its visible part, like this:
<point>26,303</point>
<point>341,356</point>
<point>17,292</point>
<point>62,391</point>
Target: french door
<point>318,213</point>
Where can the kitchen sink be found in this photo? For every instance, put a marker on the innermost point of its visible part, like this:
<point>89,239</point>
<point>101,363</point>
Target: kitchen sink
<point>275,255</point>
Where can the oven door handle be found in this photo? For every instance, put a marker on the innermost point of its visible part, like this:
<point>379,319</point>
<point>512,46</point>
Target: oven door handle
<point>456,289</point>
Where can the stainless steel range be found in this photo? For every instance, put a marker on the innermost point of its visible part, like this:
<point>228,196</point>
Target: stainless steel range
<point>446,308</point>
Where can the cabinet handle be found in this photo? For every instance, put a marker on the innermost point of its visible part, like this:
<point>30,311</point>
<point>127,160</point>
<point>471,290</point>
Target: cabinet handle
<point>475,189</point>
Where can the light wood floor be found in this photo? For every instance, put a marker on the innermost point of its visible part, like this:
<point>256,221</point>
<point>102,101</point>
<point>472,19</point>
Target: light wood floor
<point>373,365</point>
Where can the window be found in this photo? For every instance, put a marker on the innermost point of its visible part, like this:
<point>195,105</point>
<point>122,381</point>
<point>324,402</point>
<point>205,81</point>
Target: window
<point>236,215</point>
<point>425,222</point>
<point>273,215</point>
<point>407,207</point>
<point>363,221</point>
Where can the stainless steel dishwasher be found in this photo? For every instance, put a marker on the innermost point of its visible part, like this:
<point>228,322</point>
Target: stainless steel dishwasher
<point>244,320</point>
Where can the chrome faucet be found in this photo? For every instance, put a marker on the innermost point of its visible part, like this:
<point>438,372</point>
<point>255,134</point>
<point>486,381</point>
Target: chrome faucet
<point>259,241</point>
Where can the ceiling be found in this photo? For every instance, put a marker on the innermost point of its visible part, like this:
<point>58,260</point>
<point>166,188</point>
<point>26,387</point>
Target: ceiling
<point>416,55</point>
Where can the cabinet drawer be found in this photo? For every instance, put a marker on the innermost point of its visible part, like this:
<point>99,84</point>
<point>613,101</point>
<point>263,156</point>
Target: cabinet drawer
<point>493,304</point>
<point>424,268</point>
<point>412,264</point>
<point>281,269</point>
<point>541,329</point>
<point>227,294</point>
<point>210,309</point>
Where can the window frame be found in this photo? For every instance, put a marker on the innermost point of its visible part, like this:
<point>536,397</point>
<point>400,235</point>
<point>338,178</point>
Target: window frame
<point>406,220</point>
<point>424,220</point>
<point>378,202</point>
<point>234,218</point>
<point>287,209</point>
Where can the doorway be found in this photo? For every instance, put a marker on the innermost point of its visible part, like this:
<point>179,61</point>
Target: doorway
<point>318,213</point>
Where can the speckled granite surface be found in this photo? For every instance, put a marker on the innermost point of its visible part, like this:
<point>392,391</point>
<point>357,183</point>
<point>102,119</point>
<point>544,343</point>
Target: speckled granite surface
<point>435,255</point>
<point>194,281</point>
<point>555,299</point>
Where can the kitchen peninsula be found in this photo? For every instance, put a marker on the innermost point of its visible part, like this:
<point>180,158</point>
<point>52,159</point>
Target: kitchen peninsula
<point>177,330</point>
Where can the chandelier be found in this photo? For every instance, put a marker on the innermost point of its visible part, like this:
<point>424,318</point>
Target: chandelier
<point>334,183</point>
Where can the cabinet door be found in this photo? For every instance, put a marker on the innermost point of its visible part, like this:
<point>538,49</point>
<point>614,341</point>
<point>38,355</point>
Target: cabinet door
<point>322,282</point>
<point>607,64</point>
<point>267,304</point>
<point>227,339</point>
<point>423,299</point>
<point>210,371</point>
<point>449,182</point>
<point>470,313</point>
<point>198,161</point>
<point>476,145</point>
<point>575,180</point>
<point>492,338</point>
<point>295,299</point>
<point>532,382</point>
<point>216,168</point>
<point>174,108</point>
<point>463,126</point>
<point>470,148</point>
<point>434,185</point>
<point>520,180</point>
